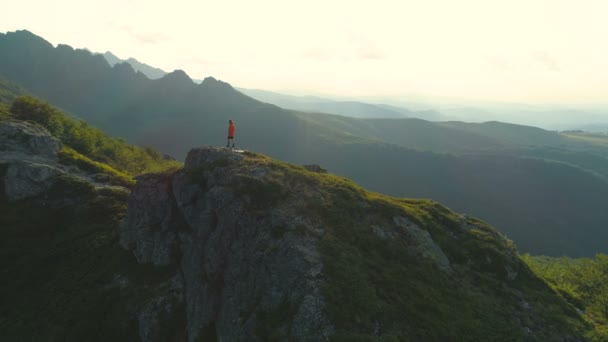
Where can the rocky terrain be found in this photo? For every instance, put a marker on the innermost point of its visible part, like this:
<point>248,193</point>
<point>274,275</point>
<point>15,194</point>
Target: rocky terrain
<point>241,247</point>
<point>262,250</point>
<point>237,260</point>
<point>32,169</point>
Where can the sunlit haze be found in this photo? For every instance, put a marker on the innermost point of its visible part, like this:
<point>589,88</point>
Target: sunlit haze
<point>533,51</point>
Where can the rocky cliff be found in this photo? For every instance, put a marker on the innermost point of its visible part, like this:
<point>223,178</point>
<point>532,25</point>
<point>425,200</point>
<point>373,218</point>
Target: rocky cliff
<point>31,168</point>
<point>242,253</point>
<point>261,250</point>
<point>241,247</point>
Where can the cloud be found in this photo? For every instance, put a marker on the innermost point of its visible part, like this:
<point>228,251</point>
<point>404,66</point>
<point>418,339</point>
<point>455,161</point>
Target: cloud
<point>145,37</point>
<point>544,60</point>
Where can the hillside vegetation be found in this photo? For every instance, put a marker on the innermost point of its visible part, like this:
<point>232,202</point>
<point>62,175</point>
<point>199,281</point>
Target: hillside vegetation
<point>378,290</point>
<point>543,189</point>
<point>393,269</point>
<point>88,147</point>
<point>58,239</point>
<point>583,282</point>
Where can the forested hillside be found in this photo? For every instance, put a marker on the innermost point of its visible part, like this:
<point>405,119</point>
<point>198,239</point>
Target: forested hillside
<point>542,189</point>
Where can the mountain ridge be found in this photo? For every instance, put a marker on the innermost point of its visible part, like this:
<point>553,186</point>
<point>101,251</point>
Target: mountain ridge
<point>349,108</point>
<point>150,71</point>
<point>242,247</point>
<point>246,209</point>
<point>483,170</point>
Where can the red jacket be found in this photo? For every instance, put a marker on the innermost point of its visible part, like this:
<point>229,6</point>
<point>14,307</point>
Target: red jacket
<point>231,129</point>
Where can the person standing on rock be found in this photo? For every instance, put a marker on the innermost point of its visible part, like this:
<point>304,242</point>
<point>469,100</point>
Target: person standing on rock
<point>231,130</point>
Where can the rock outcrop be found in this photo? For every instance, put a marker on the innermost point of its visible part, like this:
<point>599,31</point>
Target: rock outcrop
<point>30,167</point>
<point>240,247</point>
<point>259,250</point>
<point>24,139</point>
<point>28,157</point>
<point>238,266</point>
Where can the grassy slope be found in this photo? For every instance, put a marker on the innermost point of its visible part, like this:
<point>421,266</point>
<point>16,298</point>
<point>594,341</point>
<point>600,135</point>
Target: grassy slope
<point>583,282</point>
<point>546,207</point>
<point>513,193</point>
<point>70,280</point>
<point>509,134</point>
<point>376,290</point>
<point>410,133</point>
<point>89,148</point>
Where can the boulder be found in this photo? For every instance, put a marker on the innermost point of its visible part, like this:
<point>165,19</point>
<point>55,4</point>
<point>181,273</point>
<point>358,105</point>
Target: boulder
<point>27,138</point>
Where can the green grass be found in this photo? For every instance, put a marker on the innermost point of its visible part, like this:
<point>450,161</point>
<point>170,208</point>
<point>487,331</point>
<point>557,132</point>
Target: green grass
<point>372,282</point>
<point>4,112</point>
<point>69,156</point>
<point>88,142</point>
<point>66,266</point>
<point>583,282</point>
<point>378,290</point>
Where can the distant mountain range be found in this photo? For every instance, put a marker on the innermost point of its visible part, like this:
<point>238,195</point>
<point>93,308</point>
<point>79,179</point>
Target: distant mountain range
<point>599,127</point>
<point>551,117</point>
<point>557,118</point>
<point>354,109</point>
<point>150,71</point>
<point>545,190</point>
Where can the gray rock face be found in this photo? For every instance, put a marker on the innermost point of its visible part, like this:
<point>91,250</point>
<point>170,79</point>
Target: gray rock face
<point>244,273</point>
<point>27,138</point>
<point>151,230</point>
<point>28,154</point>
<point>423,244</point>
<point>151,316</point>
<point>29,167</point>
<point>26,179</point>
<point>205,157</point>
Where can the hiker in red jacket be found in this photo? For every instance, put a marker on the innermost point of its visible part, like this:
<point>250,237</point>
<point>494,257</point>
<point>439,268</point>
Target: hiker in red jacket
<point>230,133</point>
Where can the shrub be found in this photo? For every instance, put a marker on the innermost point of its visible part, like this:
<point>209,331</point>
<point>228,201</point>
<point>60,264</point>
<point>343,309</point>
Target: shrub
<point>28,108</point>
<point>91,142</point>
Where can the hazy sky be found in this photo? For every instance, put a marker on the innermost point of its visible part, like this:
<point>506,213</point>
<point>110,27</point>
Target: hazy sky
<point>507,50</point>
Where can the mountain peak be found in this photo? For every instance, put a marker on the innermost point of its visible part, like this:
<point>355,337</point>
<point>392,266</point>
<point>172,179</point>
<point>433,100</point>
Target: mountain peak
<point>210,79</point>
<point>111,58</point>
<point>124,68</point>
<point>177,77</point>
<point>25,37</point>
<point>213,83</point>
<point>24,34</point>
<point>149,71</point>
